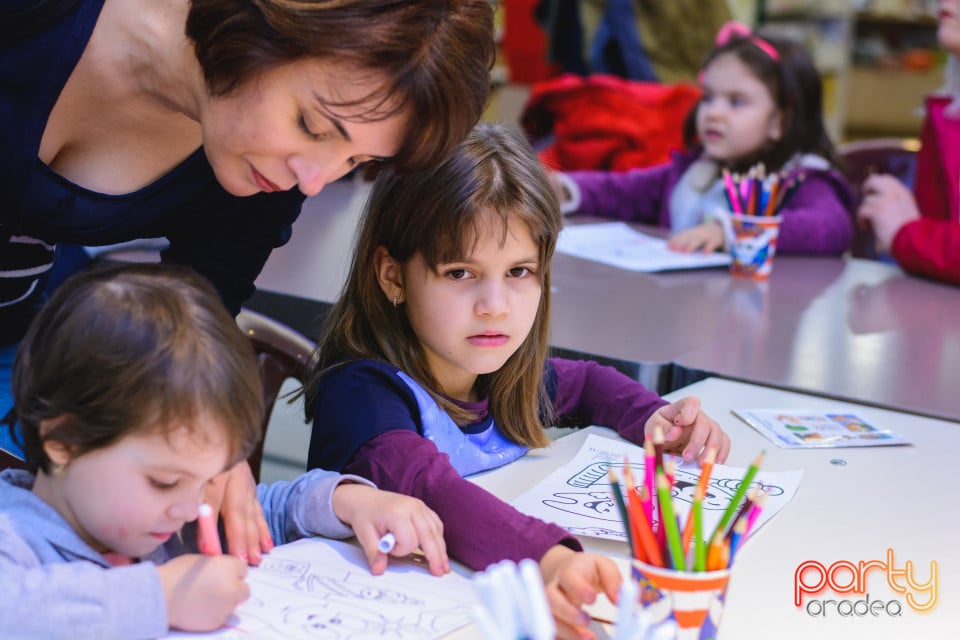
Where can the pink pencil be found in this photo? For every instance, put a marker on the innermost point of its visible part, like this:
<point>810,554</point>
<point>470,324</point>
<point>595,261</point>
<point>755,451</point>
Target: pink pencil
<point>208,539</point>
<point>755,512</point>
<point>649,473</point>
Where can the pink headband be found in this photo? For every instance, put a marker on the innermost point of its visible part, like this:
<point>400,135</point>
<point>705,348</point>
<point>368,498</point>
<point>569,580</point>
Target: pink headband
<point>734,29</point>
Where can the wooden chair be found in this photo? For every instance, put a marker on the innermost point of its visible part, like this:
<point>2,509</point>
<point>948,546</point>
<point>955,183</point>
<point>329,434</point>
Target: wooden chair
<point>282,353</point>
<point>861,158</point>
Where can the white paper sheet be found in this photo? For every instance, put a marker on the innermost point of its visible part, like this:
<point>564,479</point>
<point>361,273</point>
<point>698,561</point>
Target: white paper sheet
<point>320,588</point>
<point>578,496</point>
<point>619,245</point>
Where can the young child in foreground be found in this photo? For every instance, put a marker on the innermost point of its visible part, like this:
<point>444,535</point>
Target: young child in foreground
<point>134,388</point>
<point>762,103</point>
<point>433,362</point>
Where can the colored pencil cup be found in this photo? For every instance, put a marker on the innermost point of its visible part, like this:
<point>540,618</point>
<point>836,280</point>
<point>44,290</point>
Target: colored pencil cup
<point>693,600</point>
<point>753,243</point>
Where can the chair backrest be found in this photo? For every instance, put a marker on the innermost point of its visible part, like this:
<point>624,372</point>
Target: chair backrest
<point>10,461</point>
<point>861,158</point>
<point>282,353</point>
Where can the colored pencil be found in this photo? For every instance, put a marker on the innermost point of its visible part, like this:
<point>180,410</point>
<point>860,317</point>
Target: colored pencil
<point>736,539</point>
<point>699,544</point>
<point>768,209</point>
<point>646,549</point>
<point>718,555</point>
<point>733,196</point>
<point>755,512</point>
<point>649,472</point>
<point>668,521</point>
<point>622,508</point>
<point>743,510</point>
<point>738,495</point>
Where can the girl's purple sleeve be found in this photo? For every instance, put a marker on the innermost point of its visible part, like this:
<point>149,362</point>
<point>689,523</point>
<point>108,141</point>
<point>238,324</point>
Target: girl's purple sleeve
<point>635,195</point>
<point>591,393</point>
<point>479,528</point>
<point>817,216</point>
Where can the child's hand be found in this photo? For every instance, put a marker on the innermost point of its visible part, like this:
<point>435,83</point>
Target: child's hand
<point>887,205</point>
<point>372,513</point>
<point>573,579</point>
<point>233,493</point>
<point>706,238</point>
<point>202,591</point>
<point>688,430</point>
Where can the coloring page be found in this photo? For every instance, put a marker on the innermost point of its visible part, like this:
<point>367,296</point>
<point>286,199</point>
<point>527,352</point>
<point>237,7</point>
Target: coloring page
<point>579,497</point>
<point>322,589</point>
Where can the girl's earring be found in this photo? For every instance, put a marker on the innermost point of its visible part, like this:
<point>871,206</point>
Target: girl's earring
<point>58,469</point>
<point>396,298</point>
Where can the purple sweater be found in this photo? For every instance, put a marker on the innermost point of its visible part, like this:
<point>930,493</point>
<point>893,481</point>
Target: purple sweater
<point>817,217</point>
<point>479,528</point>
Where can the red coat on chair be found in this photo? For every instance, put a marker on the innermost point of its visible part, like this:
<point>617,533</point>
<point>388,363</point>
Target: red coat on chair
<point>608,122</point>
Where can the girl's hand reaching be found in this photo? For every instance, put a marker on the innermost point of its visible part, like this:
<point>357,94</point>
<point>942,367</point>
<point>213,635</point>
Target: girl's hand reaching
<point>688,430</point>
<point>705,238</point>
<point>573,579</point>
<point>373,513</point>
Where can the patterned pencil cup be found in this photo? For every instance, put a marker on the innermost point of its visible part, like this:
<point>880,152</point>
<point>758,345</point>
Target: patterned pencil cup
<point>753,242</point>
<point>692,600</point>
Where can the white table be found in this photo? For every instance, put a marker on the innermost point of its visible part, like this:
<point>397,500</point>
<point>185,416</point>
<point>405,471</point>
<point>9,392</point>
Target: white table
<point>882,497</point>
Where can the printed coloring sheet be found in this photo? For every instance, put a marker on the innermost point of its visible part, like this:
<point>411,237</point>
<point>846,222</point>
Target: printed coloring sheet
<point>322,589</point>
<point>579,497</point>
<point>620,245</point>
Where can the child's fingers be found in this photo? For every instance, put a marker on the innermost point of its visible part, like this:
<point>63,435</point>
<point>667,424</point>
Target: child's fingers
<point>572,621</point>
<point>430,535</point>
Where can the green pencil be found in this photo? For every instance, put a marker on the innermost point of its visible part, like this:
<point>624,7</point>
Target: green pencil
<point>669,521</point>
<point>738,496</point>
<point>699,548</point>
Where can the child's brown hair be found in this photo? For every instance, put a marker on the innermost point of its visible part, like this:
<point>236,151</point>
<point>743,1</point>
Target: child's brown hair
<point>124,347</point>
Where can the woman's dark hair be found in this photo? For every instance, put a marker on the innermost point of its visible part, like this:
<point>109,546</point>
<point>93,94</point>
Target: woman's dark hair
<point>797,90</point>
<point>435,56</point>
<point>123,348</point>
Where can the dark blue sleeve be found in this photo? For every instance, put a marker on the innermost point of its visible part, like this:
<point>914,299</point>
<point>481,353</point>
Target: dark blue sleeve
<point>230,245</point>
<point>355,403</point>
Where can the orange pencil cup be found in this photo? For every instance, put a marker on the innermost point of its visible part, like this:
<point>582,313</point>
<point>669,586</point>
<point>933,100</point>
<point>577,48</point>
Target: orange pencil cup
<point>753,243</point>
<point>693,600</point>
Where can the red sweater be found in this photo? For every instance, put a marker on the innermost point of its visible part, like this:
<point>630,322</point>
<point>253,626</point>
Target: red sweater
<point>930,246</point>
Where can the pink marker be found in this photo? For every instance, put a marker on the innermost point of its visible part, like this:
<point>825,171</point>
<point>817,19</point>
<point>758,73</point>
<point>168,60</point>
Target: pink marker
<point>208,538</point>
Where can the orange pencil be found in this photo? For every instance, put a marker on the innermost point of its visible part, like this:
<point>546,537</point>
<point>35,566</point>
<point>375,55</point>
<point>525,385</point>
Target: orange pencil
<point>718,555</point>
<point>770,209</point>
<point>647,539</point>
<point>644,542</point>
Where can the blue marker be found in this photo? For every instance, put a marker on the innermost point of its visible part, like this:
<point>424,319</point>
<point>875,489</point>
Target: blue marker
<point>387,543</point>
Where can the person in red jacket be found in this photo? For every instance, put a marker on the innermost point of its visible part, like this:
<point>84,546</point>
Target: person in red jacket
<point>920,229</point>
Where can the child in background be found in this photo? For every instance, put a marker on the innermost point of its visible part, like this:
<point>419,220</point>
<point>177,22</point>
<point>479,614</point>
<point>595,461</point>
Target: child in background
<point>761,104</point>
<point>920,229</point>
<point>433,362</point>
<point>134,388</point>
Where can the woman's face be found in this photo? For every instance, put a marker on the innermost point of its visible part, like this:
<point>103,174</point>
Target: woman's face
<point>949,32</point>
<point>273,133</point>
